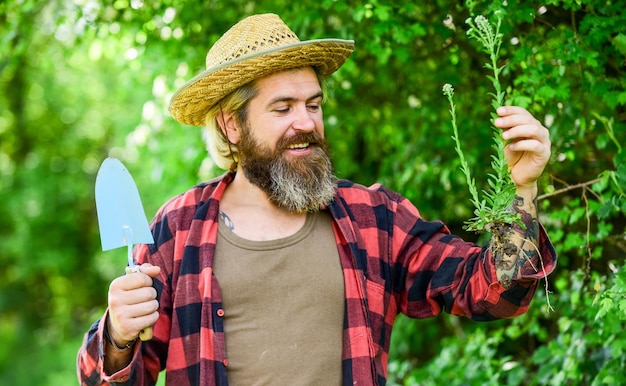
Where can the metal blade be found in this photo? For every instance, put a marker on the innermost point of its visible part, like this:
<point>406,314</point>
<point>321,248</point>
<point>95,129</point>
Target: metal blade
<point>121,217</point>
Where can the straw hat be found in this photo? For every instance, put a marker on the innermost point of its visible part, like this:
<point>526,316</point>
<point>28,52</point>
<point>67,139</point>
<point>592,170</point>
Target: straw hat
<point>255,47</point>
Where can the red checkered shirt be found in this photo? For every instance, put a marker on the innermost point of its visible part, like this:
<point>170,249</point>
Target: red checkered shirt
<point>393,261</point>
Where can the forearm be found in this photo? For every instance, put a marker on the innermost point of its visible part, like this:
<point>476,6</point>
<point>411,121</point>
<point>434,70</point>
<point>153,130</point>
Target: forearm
<point>115,358</point>
<point>520,244</point>
<point>96,363</point>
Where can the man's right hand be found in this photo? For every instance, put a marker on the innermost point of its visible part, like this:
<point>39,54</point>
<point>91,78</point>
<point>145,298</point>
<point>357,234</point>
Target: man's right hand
<point>132,304</point>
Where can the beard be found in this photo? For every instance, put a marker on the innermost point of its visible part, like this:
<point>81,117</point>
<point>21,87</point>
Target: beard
<point>298,184</point>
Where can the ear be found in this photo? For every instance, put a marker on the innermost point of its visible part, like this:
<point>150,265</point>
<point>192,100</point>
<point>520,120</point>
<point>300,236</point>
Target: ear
<point>229,126</point>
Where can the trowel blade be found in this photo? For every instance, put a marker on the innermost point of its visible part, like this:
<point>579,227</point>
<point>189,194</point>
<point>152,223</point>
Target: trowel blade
<point>119,207</point>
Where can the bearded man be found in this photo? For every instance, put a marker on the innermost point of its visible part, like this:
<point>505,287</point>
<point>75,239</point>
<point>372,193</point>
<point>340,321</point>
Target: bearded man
<point>278,273</point>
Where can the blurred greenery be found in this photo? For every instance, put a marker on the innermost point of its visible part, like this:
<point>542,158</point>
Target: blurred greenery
<point>84,79</point>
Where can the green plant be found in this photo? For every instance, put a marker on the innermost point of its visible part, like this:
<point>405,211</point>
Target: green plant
<point>493,210</point>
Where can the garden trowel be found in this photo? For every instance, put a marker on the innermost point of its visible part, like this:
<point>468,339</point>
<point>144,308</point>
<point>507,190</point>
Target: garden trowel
<point>121,216</point>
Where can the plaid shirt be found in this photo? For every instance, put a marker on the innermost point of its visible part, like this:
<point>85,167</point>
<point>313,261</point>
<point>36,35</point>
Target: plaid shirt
<point>393,261</point>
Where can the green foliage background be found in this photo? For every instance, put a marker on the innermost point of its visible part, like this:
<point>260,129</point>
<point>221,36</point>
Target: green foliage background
<point>84,79</point>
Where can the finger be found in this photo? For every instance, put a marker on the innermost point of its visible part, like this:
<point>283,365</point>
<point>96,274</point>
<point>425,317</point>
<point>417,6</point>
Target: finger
<point>136,296</point>
<point>509,121</point>
<point>138,310</point>
<point>537,132</point>
<point>528,145</point>
<point>139,323</point>
<point>125,328</point>
<point>149,269</point>
<point>131,281</point>
<point>511,110</point>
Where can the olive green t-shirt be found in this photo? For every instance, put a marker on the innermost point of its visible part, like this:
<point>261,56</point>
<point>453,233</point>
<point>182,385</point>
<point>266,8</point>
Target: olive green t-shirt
<point>283,303</point>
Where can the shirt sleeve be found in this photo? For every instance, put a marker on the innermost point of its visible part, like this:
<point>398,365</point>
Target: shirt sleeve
<point>435,271</point>
<point>148,356</point>
<point>90,361</point>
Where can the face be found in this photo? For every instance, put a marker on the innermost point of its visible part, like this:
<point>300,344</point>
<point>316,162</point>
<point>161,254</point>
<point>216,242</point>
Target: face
<point>287,104</point>
<point>282,148</point>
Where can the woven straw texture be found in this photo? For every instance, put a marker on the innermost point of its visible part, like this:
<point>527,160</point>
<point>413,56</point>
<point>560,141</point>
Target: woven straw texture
<point>255,47</point>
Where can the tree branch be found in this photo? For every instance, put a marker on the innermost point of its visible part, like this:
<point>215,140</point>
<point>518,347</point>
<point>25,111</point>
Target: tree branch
<point>568,188</point>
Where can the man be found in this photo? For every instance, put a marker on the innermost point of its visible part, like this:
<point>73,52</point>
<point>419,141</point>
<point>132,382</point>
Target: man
<point>277,273</point>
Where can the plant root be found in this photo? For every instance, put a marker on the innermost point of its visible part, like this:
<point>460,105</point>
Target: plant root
<point>501,247</point>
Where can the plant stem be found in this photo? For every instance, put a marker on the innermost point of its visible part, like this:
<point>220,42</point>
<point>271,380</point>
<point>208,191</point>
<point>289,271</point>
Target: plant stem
<point>449,93</point>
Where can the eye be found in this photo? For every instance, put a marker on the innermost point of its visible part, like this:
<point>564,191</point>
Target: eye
<point>314,107</point>
<point>282,110</point>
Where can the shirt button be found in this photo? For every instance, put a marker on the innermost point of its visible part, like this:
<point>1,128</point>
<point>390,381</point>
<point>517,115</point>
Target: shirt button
<point>220,312</point>
<point>225,362</point>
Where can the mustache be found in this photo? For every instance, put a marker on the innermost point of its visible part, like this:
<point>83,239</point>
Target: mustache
<point>312,138</point>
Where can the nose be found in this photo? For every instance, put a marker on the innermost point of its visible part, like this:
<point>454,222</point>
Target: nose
<point>303,120</point>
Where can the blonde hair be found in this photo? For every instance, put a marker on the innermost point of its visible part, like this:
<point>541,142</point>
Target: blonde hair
<point>226,154</point>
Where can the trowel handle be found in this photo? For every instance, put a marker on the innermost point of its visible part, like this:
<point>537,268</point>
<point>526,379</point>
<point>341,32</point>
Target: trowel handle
<point>146,333</point>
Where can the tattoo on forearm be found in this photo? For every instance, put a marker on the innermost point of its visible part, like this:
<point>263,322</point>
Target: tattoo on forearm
<point>229,223</point>
<point>513,246</point>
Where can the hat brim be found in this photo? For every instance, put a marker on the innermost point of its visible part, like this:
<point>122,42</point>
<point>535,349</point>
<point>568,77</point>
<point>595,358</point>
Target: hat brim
<point>193,100</point>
